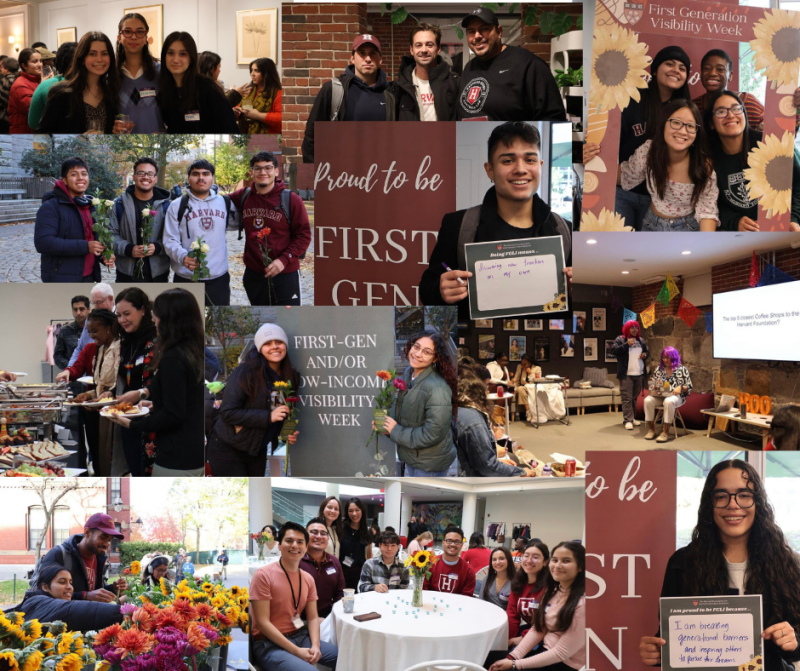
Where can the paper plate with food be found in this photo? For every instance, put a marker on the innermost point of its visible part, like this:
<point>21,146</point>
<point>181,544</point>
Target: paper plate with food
<point>124,410</point>
<point>102,403</point>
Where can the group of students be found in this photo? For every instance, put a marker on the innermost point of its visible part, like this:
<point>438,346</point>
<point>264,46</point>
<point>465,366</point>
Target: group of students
<point>682,161</point>
<point>71,251</point>
<point>93,88</point>
<point>149,353</point>
<point>501,82</point>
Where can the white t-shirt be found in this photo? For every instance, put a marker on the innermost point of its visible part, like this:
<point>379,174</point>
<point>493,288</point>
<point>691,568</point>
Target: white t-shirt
<point>274,552</point>
<point>736,574</point>
<point>427,111</point>
<point>634,362</point>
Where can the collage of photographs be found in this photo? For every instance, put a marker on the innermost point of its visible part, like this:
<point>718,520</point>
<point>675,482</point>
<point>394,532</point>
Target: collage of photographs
<point>423,400</point>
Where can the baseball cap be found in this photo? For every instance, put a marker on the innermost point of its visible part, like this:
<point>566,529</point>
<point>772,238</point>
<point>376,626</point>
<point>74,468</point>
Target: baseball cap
<point>364,39</point>
<point>44,53</point>
<point>103,523</point>
<point>484,14</point>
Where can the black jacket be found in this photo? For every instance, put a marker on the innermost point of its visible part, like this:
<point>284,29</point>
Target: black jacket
<point>321,111</point>
<point>177,414</point>
<point>774,657</point>
<point>620,350</point>
<point>545,223</point>
<point>444,84</point>
<point>77,615</point>
<point>66,342</point>
<point>55,118</point>
<point>216,113</point>
<point>251,416</point>
<point>80,581</point>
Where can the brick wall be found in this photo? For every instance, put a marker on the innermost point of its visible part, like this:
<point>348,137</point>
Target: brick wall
<point>736,274</point>
<point>644,296</point>
<point>394,40</point>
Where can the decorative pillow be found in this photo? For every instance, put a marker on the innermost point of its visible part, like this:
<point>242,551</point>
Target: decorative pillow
<point>598,377</point>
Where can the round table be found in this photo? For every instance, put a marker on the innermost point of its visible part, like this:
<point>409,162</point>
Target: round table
<point>447,626</point>
<point>254,566</point>
<point>505,397</point>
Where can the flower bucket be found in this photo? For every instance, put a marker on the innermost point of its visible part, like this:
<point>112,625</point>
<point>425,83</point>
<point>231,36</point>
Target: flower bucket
<point>289,427</point>
<point>379,415</point>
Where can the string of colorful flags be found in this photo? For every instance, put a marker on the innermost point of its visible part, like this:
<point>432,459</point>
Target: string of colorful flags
<point>688,312</point>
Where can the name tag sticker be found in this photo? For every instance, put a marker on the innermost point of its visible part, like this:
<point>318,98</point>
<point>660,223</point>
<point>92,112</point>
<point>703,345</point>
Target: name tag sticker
<point>393,580</point>
<point>192,116</point>
<point>147,93</point>
<point>330,570</point>
<point>348,561</point>
<point>454,576</point>
<point>297,622</point>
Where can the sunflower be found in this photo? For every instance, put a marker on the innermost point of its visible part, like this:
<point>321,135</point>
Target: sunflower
<point>235,591</point>
<point>33,662</point>
<point>207,587</point>
<point>617,68</point>
<point>777,47</point>
<point>422,558</point>
<point>607,221</point>
<point>770,172</point>
<point>70,662</point>
<point>65,644</point>
<point>136,568</point>
<point>30,631</point>
<point>10,659</point>
<point>242,601</point>
<point>165,588</point>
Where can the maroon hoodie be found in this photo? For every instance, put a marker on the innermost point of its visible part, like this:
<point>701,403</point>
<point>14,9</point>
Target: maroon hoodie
<point>88,234</point>
<point>285,243</point>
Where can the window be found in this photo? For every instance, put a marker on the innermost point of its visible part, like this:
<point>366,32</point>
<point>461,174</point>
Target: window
<point>116,541</point>
<point>561,174</point>
<point>780,481</point>
<point>116,489</point>
<point>61,520</point>
<point>36,519</point>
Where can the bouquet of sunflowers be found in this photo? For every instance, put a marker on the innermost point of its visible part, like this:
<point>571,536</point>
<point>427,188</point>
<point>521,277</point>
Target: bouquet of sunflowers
<point>419,565</point>
<point>34,645</point>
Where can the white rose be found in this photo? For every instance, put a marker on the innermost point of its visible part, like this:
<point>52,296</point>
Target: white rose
<point>194,245</point>
<point>95,201</point>
<point>204,248</point>
<point>146,212</point>
<point>109,203</point>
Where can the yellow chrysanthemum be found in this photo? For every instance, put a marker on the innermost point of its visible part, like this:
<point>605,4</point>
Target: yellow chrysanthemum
<point>223,641</point>
<point>33,662</point>
<point>770,172</point>
<point>70,662</point>
<point>10,659</point>
<point>618,68</point>
<point>777,46</point>
<point>136,568</point>
<point>65,644</point>
<point>607,221</point>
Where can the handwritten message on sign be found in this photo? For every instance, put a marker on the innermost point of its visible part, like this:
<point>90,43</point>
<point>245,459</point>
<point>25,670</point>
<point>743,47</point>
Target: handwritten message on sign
<point>503,283</point>
<point>711,632</point>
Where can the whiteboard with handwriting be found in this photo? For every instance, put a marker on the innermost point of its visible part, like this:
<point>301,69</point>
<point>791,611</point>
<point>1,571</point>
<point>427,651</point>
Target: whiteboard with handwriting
<point>711,640</point>
<point>509,283</point>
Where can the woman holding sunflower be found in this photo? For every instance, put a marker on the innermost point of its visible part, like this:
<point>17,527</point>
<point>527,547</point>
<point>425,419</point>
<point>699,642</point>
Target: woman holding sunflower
<point>356,543</point>
<point>250,419</point>
<point>738,548</point>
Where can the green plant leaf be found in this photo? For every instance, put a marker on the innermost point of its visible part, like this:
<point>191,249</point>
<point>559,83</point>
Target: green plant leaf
<point>459,32</point>
<point>399,15</point>
<point>546,22</point>
<point>513,8</point>
<point>490,5</point>
<point>531,15</point>
<point>579,22</point>
<point>561,23</point>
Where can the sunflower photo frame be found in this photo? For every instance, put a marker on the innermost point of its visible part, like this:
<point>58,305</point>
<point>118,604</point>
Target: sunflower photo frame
<point>627,35</point>
<point>256,35</point>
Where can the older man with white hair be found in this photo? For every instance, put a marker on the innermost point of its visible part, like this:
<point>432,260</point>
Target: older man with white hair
<point>101,296</point>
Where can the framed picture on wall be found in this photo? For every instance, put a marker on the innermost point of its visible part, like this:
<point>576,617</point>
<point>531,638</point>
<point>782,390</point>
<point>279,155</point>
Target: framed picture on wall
<point>66,35</point>
<point>598,319</point>
<point>256,35</point>
<point>567,349</point>
<point>541,349</point>
<point>579,321</point>
<point>511,324</point>
<point>484,323</point>
<point>154,15</point>
<point>556,324</point>
<point>590,349</point>
<point>534,324</point>
<point>610,356</point>
<point>486,347</point>
<point>516,347</point>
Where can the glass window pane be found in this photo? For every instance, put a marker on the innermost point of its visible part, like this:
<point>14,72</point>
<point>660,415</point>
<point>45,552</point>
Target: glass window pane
<point>61,523</point>
<point>561,174</point>
<point>782,472</point>
<point>35,527</point>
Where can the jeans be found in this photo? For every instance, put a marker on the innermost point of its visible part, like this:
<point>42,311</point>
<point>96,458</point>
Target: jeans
<point>629,388</point>
<point>218,290</point>
<point>669,403</point>
<point>412,472</point>
<point>632,206</point>
<point>226,462</point>
<point>283,289</point>
<point>652,222</point>
<point>271,657</point>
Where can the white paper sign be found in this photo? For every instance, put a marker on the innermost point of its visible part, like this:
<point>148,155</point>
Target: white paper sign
<point>711,640</point>
<point>524,280</point>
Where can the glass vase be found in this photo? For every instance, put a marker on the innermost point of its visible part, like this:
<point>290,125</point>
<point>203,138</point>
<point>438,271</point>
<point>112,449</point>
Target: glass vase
<point>260,552</point>
<point>416,599</point>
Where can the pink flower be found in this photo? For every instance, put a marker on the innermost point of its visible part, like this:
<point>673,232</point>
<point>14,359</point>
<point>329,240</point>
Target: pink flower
<point>399,384</point>
<point>153,213</point>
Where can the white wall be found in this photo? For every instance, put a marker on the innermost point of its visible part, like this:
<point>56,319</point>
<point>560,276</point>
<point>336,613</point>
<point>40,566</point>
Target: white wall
<point>30,307</point>
<point>212,23</point>
<point>554,516</point>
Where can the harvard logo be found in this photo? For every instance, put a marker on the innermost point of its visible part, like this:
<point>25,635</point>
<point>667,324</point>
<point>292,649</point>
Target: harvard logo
<point>634,12</point>
<point>474,95</point>
<point>207,223</point>
<point>499,248</point>
<point>258,223</point>
<point>447,583</point>
<point>695,603</point>
<point>638,129</point>
<point>526,608</point>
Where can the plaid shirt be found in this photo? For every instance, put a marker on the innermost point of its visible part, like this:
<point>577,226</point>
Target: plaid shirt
<point>375,572</point>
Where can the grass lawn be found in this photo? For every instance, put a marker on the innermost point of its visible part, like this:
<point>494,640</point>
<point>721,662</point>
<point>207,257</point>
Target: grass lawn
<point>7,591</point>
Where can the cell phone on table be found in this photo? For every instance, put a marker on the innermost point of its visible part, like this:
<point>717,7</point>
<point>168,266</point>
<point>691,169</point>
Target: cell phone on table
<point>367,617</point>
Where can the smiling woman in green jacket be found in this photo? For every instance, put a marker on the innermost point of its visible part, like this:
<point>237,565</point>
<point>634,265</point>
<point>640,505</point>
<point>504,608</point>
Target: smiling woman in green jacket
<point>420,422</point>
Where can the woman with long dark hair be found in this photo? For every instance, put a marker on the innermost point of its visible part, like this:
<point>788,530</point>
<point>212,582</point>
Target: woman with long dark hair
<point>356,543</point>
<point>477,554</point>
<point>420,421</point>
<point>330,510</point>
<point>527,588</point>
<point>190,102</point>
<point>669,388</point>
<point>730,140</point>
<point>209,64</point>
<point>738,548</point>
<point>87,99</point>
<point>631,352</point>
<point>497,586</point>
<point>137,73</point>
<point>252,412</point>
<point>260,109</point>
<point>22,90</point>
<point>174,427</point>
<point>676,167</point>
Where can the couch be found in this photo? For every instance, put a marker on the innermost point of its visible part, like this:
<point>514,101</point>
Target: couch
<point>603,392</point>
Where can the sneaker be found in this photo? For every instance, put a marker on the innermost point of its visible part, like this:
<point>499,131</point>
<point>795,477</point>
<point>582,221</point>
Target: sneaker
<point>663,438</point>
<point>629,426</point>
<point>636,422</point>
<point>650,435</point>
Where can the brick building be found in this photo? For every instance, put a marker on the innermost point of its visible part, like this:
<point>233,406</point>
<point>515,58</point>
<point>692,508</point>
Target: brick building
<point>24,518</point>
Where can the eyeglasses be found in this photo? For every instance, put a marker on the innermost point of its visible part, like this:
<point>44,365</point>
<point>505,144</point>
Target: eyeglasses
<point>127,32</point>
<point>453,542</point>
<point>263,171</point>
<point>139,173</point>
<point>722,112</point>
<point>677,124</point>
<point>418,349</point>
<point>318,533</point>
<point>743,499</point>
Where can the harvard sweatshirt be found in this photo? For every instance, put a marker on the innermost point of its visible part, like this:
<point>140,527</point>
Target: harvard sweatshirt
<point>456,579</point>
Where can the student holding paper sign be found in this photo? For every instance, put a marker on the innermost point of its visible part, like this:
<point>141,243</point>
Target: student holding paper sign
<point>511,210</point>
<point>738,548</point>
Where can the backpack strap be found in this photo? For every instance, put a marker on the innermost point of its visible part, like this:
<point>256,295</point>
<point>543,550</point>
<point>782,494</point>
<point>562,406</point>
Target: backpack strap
<point>119,209</point>
<point>286,207</point>
<point>227,200</point>
<point>466,234</point>
<point>182,210</point>
<point>245,194</point>
<point>337,96</point>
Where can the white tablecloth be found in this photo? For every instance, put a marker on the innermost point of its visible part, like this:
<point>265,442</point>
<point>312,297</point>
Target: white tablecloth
<point>399,640</point>
<point>258,564</point>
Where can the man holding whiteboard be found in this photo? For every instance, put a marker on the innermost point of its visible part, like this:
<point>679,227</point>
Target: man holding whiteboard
<point>511,210</point>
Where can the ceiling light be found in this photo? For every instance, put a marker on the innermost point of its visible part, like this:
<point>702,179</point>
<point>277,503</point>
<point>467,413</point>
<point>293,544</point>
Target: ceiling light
<point>591,241</point>
<point>686,253</point>
<point>626,272</point>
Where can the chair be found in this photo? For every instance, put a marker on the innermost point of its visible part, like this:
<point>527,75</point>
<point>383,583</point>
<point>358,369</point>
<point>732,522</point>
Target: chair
<point>660,416</point>
<point>446,665</point>
<point>480,577</point>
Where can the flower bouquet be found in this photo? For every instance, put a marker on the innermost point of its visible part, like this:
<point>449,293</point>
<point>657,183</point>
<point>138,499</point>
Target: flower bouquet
<point>199,250</point>
<point>419,565</point>
<point>147,232</point>
<point>390,385</point>
<point>102,225</point>
<point>35,646</point>
<point>261,538</point>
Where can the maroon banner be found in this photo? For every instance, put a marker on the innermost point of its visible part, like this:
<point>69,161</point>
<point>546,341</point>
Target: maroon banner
<point>630,534</point>
<point>380,190</point>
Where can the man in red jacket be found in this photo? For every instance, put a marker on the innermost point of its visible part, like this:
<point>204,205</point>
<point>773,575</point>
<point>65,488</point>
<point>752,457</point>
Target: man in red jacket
<point>451,573</point>
<point>277,233</point>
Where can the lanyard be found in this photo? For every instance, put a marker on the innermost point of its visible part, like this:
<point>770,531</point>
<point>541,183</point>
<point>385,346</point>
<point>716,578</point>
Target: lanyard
<point>291,587</point>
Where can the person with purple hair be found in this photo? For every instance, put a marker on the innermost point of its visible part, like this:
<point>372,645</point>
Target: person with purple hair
<point>669,388</point>
<point>631,352</point>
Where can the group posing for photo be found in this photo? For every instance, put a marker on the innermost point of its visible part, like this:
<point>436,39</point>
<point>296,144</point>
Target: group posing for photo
<point>93,87</point>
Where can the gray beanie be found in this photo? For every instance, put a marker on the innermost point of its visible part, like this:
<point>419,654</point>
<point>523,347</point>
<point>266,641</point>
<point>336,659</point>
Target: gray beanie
<point>269,332</point>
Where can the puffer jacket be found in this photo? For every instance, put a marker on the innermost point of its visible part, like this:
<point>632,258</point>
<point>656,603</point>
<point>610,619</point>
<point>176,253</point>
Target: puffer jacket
<point>126,235</point>
<point>444,85</point>
<point>5,93</point>
<point>477,453</point>
<point>423,414</point>
<point>77,615</point>
<point>19,102</point>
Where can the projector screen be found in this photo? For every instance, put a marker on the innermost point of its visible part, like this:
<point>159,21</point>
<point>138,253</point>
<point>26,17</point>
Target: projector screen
<point>759,323</point>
